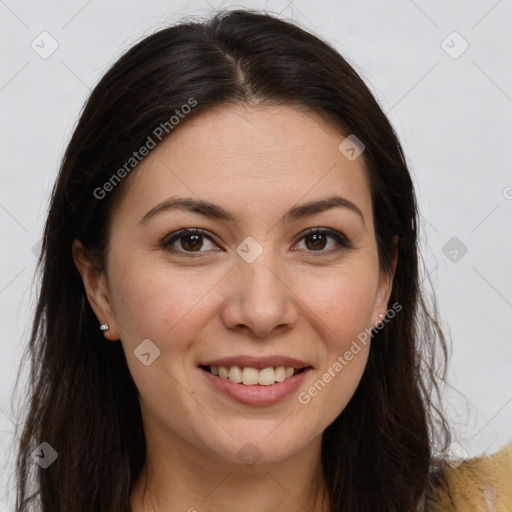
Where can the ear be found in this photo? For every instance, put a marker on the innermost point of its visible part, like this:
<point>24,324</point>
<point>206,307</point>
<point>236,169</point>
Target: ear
<point>97,290</point>
<point>386,284</point>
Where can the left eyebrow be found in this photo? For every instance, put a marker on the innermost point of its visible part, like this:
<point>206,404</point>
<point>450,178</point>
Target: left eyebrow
<point>214,211</point>
<point>314,207</point>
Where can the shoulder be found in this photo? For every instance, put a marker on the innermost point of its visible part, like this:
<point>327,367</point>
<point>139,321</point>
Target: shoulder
<point>479,484</point>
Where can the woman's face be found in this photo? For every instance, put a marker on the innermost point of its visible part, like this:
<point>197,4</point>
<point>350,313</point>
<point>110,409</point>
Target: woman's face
<point>252,288</point>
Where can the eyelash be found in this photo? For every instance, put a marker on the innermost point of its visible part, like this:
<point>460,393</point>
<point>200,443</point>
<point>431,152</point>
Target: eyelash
<point>339,237</point>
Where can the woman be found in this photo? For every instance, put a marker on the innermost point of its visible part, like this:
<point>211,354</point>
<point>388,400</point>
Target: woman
<point>230,315</point>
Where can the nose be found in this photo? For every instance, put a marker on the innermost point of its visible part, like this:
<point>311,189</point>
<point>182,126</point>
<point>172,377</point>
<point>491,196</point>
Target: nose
<point>259,298</point>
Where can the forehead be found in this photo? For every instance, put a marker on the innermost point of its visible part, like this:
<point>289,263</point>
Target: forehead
<point>250,159</point>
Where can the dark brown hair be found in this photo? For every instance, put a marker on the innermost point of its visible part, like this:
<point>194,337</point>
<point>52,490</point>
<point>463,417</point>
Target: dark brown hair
<point>377,454</point>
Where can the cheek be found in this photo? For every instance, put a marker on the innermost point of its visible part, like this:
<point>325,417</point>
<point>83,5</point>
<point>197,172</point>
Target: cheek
<point>155,302</point>
<point>341,306</point>
<point>343,301</point>
<point>167,308</point>
<point>344,309</point>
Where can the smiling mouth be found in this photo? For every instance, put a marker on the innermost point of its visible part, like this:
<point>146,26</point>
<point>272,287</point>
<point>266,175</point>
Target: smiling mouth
<point>252,376</point>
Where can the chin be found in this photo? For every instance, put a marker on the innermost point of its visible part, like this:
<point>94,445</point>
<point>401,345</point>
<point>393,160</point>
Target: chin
<point>260,448</point>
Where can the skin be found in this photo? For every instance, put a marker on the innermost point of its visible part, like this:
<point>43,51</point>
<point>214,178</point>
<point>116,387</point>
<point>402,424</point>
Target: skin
<point>295,300</point>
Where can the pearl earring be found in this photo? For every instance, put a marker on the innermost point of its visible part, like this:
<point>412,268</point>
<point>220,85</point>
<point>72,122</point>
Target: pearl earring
<point>104,327</point>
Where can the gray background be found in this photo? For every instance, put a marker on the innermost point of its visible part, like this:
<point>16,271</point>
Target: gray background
<point>451,109</point>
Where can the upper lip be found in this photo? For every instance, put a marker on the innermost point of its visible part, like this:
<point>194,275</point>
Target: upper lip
<point>257,362</point>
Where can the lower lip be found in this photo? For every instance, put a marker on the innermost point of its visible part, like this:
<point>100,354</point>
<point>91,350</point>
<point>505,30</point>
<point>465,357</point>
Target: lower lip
<point>256,394</point>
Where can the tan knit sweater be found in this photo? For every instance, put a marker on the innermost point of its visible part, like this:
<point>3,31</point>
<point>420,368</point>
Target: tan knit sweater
<point>482,484</point>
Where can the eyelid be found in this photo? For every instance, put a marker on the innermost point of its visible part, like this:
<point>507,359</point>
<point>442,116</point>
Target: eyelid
<point>343,242</point>
<point>176,235</point>
<point>339,237</point>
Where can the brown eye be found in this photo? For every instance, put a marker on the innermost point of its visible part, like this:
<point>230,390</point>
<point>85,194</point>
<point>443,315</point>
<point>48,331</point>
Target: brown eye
<point>316,240</point>
<point>192,240</point>
<point>186,240</point>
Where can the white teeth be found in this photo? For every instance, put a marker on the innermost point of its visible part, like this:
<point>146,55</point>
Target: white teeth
<point>280,374</point>
<point>251,376</point>
<point>267,376</point>
<point>235,374</point>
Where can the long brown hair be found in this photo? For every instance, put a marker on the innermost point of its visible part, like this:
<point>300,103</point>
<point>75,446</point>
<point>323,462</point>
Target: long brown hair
<point>377,454</point>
